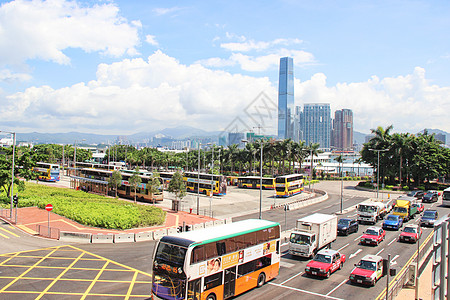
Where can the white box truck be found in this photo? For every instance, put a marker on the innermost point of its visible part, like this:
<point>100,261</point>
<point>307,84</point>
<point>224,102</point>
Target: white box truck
<point>372,210</point>
<point>312,233</point>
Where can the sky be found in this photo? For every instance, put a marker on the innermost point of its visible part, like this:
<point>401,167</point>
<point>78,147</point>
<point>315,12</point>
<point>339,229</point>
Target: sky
<point>128,66</point>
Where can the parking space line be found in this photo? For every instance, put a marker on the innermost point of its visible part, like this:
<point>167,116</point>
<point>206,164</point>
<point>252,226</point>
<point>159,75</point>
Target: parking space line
<point>86,293</point>
<point>28,270</point>
<point>132,285</point>
<point>11,233</point>
<point>59,276</point>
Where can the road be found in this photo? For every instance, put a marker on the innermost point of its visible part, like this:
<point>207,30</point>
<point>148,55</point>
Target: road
<point>135,259</point>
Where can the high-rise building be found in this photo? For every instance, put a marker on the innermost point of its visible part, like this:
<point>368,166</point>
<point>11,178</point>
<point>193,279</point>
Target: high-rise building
<point>286,99</point>
<point>315,124</point>
<point>342,135</point>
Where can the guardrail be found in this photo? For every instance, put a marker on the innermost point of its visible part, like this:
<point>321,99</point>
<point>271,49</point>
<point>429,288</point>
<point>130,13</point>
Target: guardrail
<point>48,232</point>
<point>407,274</point>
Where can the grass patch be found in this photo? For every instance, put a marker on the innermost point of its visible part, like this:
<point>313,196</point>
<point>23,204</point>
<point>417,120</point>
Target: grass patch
<point>89,209</point>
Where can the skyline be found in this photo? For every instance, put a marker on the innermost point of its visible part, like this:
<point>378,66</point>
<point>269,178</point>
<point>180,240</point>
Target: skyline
<point>121,67</point>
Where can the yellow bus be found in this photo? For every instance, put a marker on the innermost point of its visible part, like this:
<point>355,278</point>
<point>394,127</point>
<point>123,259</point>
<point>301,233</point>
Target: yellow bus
<point>47,172</point>
<point>253,182</point>
<point>218,182</point>
<point>289,185</point>
<point>216,263</point>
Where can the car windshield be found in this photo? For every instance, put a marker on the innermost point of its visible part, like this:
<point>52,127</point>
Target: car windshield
<point>367,265</point>
<point>371,232</point>
<point>410,229</point>
<point>428,214</point>
<point>392,218</point>
<point>400,209</point>
<point>412,194</point>
<point>300,239</point>
<point>344,222</point>
<point>367,208</point>
<point>322,258</point>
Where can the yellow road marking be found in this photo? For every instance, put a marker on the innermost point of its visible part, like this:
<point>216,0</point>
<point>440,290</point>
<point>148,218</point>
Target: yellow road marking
<point>12,233</point>
<point>94,281</point>
<point>59,276</point>
<point>5,236</point>
<point>25,228</point>
<point>74,294</point>
<point>29,269</point>
<point>79,228</point>
<point>6,260</point>
<point>131,285</point>
<point>78,279</point>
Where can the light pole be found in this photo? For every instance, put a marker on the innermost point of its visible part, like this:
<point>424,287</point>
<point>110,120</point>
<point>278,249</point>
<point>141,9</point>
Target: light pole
<point>260,177</point>
<point>12,170</point>
<point>378,167</point>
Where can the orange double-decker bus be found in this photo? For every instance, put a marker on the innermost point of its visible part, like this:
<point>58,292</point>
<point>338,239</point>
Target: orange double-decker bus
<point>216,263</point>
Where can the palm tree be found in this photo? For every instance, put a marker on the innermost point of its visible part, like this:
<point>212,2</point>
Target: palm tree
<point>314,151</point>
<point>135,180</point>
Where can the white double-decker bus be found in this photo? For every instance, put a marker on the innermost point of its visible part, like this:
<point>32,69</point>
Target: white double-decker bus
<point>216,263</point>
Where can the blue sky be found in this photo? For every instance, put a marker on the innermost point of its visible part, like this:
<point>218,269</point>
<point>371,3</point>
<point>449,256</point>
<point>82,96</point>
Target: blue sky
<point>121,67</point>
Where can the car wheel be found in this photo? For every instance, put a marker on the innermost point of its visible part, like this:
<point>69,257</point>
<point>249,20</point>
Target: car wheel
<point>341,265</point>
<point>328,274</point>
<point>346,232</point>
<point>261,279</point>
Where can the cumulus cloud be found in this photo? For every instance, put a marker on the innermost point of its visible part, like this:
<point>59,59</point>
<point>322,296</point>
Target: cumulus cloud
<point>258,45</point>
<point>408,102</point>
<point>259,63</point>
<point>164,11</point>
<point>44,29</point>
<point>137,95</point>
<point>151,40</point>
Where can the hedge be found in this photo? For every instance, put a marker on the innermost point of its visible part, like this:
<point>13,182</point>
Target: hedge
<point>90,209</point>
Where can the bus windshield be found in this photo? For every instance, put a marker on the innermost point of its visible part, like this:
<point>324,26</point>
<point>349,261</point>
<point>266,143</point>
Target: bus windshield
<point>170,254</point>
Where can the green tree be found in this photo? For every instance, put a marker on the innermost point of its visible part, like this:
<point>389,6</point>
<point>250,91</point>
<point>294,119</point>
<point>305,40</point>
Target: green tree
<point>116,181</point>
<point>135,180</point>
<point>177,187</point>
<point>153,185</point>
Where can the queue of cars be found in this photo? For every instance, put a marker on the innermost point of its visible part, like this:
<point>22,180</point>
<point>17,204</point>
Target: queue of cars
<point>371,267</point>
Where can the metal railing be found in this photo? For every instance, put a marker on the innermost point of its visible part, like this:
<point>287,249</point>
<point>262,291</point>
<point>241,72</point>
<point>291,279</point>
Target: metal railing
<point>48,232</point>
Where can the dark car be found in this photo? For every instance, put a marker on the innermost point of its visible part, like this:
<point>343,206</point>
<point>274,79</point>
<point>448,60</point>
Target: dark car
<point>430,196</point>
<point>416,194</point>
<point>346,226</point>
<point>428,218</point>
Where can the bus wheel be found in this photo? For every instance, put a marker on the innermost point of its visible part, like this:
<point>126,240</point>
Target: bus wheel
<point>261,279</point>
<point>211,297</point>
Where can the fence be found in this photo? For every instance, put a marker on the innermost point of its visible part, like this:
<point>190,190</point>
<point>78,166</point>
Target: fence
<point>48,232</point>
<point>407,274</point>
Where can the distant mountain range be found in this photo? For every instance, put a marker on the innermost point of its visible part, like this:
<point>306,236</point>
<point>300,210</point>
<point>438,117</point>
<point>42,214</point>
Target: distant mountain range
<point>177,133</point>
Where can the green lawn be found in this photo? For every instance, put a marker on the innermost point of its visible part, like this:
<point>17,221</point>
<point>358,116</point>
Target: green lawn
<point>89,209</point>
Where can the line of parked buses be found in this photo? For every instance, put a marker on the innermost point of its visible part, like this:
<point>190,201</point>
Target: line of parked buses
<point>92,177</point>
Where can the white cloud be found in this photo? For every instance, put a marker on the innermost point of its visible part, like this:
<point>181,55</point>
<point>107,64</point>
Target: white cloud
<point>164,11</point>
<point>137,95</point>
<point>44,29</point>
<point>9,76</point>
<point>260,63</point>
<point>255,45</point>
<point>151,40</point>
<point>408,102</point>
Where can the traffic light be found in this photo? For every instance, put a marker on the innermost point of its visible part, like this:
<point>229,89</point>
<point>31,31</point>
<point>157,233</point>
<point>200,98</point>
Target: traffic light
<point>15,199</point>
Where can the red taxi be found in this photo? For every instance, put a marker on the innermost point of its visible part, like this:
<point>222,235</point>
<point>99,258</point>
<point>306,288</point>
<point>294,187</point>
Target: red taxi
<point>325,262</point>
<point>373,236</point>
<point>368,271</point>
<point>411,233</point>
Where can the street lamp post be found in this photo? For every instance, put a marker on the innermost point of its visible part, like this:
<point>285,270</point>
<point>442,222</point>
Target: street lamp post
<point>378,167</point>
<point>12,170</point>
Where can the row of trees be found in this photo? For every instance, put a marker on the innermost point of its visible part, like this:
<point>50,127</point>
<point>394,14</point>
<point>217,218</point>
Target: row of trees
<point>406,159</point>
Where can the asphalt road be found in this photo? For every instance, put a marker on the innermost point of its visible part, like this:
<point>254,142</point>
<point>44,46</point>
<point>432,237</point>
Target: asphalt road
<point>291,282</point>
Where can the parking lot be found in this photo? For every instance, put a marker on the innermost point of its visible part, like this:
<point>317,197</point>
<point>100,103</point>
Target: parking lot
<point>68,272</point>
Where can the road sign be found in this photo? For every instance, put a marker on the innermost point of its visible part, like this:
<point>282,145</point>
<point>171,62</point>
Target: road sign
<point>48,207</point>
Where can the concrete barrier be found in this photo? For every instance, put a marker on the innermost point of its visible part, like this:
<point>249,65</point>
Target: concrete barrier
<point>143,236</point>
<point>218,222</point>
<point>171,231</point>
<point>76,237</point>
<point>102,238</point>
<point>124,237</point>
<point>198,226</point>
<point>209,224</point>
<point>157,234</point>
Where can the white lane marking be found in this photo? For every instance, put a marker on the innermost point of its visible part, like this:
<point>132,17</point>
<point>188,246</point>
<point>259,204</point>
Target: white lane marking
<point>380,251</point>
<point>343,247</point>
<point>285,244</point>
<point>393,262</point>
<point>392,241</point>
<point>303,291</point>
<point>358,238</point>
<point>316,210</point>
<point>291,278</point>
<point>354,254</point>
<point>345,280</point>
<point>286,264</point>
